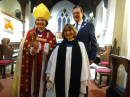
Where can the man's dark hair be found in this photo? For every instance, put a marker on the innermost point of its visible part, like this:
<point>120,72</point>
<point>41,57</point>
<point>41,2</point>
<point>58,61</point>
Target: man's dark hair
<point>78,7</point>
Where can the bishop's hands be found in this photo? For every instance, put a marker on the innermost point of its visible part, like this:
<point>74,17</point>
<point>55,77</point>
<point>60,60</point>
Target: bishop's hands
<point>35,47</point>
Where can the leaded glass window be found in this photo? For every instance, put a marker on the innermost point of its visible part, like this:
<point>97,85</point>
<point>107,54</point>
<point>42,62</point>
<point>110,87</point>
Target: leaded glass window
<point>63,18</point>
<point>59,24</point>
<point>68,21</point>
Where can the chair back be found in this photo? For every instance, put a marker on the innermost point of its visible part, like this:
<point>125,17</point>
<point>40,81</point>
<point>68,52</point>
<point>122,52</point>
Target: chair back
<point>1,52</point>
<point>7,52</point>
<point>105,55</point>
<point>115,51</point>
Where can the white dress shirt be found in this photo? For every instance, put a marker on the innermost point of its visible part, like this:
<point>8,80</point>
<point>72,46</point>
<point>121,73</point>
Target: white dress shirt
<point>79,25</point>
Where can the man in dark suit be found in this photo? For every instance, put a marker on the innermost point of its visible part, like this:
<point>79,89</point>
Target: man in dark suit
<point>86,34</point>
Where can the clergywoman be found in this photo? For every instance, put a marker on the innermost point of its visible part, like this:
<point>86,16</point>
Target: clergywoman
<point>68,67</point>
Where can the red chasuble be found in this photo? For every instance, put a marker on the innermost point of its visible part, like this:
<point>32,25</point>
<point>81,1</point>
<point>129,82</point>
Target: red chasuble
<point>27,61</point>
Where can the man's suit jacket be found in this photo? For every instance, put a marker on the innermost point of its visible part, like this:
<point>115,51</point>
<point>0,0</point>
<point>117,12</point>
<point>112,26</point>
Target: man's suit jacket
<point>86,34</point>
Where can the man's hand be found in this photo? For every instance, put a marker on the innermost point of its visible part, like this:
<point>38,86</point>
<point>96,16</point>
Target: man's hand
<point>90,62</point>
<point>35,45</point>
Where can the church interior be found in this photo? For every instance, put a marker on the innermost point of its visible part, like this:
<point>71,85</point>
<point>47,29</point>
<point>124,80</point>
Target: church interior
<point>111,18</point>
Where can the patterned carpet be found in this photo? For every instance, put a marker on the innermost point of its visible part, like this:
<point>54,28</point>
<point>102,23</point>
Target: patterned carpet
<point>5,85</point>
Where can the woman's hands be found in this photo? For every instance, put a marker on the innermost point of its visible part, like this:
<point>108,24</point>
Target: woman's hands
<point>47,79</point>
<point>35,47</point>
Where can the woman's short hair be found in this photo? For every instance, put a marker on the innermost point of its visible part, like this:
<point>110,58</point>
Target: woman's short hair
<point>71,27</point>
<point>45,21</point>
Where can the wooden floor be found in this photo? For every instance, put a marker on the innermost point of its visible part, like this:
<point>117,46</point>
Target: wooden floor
<point>93,90</point>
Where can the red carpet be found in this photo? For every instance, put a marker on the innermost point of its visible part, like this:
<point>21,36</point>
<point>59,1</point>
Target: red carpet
<point>5,85</point>
<point>94,91</point>
<point>1,86</point>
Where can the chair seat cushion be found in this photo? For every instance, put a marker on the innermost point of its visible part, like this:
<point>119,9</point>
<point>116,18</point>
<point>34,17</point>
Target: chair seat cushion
<point>104,63</point>
<point>103,70</point>
<point>6,61</point>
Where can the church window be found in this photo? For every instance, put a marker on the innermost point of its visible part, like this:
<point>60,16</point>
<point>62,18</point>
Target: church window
<point>68,21</point>
<point>59,24</point>
<point>63,18</point>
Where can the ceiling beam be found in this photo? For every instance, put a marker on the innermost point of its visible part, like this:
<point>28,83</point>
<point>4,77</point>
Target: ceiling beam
<point>33,4</point>
<point>105,3</point>
<point>88,5</point>
<point>50,2</point>
<point>79,3</point>
<point>86,2</point>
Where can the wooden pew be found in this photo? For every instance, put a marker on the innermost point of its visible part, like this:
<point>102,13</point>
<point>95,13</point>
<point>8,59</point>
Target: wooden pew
<point>100,51</point>
<point>114,90</point>
<point>15,47</point>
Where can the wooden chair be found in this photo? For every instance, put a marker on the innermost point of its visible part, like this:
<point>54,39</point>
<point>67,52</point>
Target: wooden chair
<point>4,63</point>
<point>1,57</point>
<point>104,59</point>
<point>10,51</point>
<point>114,90</point>
<point>105,72</point>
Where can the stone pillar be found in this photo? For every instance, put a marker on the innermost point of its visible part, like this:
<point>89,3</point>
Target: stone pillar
<point>121,33</point>
<point>27,11</point>
<point>121,25</point>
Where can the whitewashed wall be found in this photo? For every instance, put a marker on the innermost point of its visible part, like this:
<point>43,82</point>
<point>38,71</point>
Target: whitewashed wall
<point>110,17</point>
<point>9,6</point>
<point>128,54</point>
<point>14,36</point>
<point>99,23</point>
<point>104,22</point>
